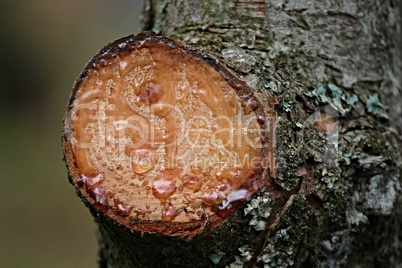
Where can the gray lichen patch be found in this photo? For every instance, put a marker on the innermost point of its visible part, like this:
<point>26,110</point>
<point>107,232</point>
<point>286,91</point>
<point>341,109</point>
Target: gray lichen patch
<point>275,87</point>
<point>374,106</point>
<point>216,256</point>
<point>246,254</point>
<point>355,217</point>
<point>238,263</point>
<point>260,209</point>
<point>338,246</point>
<point>282,247</point>
<point>340,100</point>
<point>273,257</point>
<point>238,59</point>
<point>381,195</point>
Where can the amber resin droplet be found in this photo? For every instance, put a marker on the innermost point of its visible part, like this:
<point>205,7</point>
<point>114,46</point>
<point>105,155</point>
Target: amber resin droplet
<point>169,213</point>
<point>163,188</point>
<point>160,134</point>
<point>142,161</point>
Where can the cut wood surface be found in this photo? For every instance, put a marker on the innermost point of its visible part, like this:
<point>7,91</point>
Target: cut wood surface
<point>162,138</point>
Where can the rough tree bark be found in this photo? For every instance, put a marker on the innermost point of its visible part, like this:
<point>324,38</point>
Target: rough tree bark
<point>331,69</point>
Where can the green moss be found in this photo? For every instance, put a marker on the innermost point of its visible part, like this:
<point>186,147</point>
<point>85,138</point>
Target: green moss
<point>290,154</point>
<point>375,144</point>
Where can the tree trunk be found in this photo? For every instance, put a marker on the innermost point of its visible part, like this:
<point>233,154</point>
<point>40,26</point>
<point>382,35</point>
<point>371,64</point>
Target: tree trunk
<point>328,73</point>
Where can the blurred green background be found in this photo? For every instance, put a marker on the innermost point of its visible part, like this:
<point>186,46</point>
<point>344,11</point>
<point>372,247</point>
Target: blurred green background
<point>44,45</point>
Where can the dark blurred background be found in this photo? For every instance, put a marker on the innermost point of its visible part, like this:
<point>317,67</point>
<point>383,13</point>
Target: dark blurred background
<point>44,44</point>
